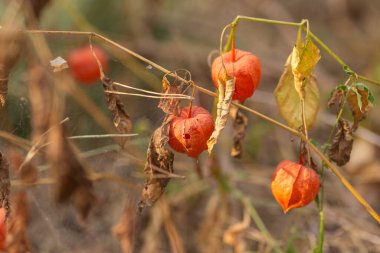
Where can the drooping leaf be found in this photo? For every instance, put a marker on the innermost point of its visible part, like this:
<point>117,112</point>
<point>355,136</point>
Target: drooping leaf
<point>289,102</point>
<point>360,101</point>
<point>5,183</point>
<point>340,149</point>
<point>121,118</point>
<point>73,182</point>
<point>240,127</point>
<point>305,56</point>
<point>226,91</point>
<point>159,164</point>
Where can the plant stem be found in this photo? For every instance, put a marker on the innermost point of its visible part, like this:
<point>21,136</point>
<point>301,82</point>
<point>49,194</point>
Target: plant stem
<point>334,169</point>
<point>264,20</point>
<point>257,219</point>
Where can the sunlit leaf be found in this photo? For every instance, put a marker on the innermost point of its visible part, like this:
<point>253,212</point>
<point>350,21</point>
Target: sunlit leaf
<point>305,56</point>
<point>289,102</point>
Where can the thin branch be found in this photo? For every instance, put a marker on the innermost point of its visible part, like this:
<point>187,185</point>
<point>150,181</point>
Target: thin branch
<point>98,136</point>
<point>334,169</point>
<point>147,96</point>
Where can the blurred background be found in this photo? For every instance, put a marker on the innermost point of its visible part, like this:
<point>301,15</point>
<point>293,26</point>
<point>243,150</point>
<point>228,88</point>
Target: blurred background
<point>195,214</point>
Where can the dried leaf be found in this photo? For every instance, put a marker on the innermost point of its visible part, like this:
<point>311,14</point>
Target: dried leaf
<point>11,45</point>
<point>340,149</point>
<point>5,183</point>
<point>226,91</point>
<point>360,100</point>
<point>159,160</point>
<point>70,172</point>
<point>289,102</point>
<point>124,230</point>
<point>121,119</point>
<point>337,95</point>
<point>170,105</point>
<point>305,56</point>
<point>233,235</point>
<point>17,239</point>
<point>58,64</point>
<point>240,127</point>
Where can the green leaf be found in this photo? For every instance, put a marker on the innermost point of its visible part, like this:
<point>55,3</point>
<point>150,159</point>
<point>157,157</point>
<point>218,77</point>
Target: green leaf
<point>289,102</point>
<point>370,96</point>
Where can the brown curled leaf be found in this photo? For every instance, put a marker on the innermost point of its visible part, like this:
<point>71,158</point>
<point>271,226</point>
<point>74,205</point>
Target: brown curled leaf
<point>336,97</point>
<point>158,165</point>
<point>70,172</point>
<point>11,45</point>
<point>121,118</point>
<point>240,127</point>
<point>340,149</point>
<point>17,239</point>
<point>226,91</point>
<point>360,102</point>
<point>170,105</point>
<point>5,183</point>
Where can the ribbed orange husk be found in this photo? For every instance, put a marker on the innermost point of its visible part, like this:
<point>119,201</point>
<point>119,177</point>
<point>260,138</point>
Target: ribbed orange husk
<point>245,68</point>
<point>189,135</point>
<point>294,185</point>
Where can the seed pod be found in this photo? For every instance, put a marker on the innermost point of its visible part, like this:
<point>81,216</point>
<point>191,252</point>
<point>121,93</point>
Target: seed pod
<point>189,132</point>
<point>294,185</point>
<point>244,66</point>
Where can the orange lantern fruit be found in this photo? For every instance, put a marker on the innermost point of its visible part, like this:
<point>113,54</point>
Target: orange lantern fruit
<point>84,66</point>
<point>189,132</point>
<point>294,185</point>
<point>244,66</point>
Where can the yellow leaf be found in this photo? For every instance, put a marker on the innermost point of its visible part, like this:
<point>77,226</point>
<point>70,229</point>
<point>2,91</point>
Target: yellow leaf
<point>289,101</point>
<point>304,58</point>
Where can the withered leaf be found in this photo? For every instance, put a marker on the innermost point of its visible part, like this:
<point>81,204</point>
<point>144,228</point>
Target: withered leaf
<point>337,95</point>
<point>240,127</point>
<point>305,56</point>
<point>11,45</point>
<point>289,102</point>
<point>340,149</point>
<point>121,119</point>
<point>159,160</point>
<point>170,105</point>
<point>70,172</point>
<point>17,239</point>
<point>5,183</point>
<point>360,100</point>
<point>226,91</point>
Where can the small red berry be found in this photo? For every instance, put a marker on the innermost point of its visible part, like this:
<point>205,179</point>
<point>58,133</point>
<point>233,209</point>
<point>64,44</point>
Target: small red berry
<point>83,65</point>
<point>294,185</point>
<point>189,133</point>
<point>244,66</point>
